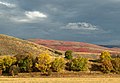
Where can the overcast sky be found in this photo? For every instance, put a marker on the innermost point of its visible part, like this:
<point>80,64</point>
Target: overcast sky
<point>92,21</point>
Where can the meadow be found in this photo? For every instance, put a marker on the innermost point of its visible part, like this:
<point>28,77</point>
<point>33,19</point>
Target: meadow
<point>59,80</point>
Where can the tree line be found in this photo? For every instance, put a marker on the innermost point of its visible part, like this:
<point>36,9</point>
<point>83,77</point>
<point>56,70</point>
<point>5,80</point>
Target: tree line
<point>47,64</point>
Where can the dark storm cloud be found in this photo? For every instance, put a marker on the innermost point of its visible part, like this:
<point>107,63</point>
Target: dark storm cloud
<point>46,19</point>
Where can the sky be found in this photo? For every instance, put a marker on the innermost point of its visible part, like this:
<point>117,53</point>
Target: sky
<point>92,21</point>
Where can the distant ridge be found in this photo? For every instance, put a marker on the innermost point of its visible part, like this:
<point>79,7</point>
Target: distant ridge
<point>75,46</point>
<point>14,46</point>
<point>111,46</point>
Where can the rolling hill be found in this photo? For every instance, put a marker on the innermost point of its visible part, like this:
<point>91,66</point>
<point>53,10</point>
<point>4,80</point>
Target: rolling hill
<point>15,46</point>
<point>75,46</point>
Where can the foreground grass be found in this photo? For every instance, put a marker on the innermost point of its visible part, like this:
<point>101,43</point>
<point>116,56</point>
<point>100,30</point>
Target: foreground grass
<point>67,74</point>
<point>68,77</point>
<point>59,80</point>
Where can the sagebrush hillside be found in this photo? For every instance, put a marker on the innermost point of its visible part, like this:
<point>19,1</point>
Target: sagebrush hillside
<point>15,46</point>
<point>74,46</point>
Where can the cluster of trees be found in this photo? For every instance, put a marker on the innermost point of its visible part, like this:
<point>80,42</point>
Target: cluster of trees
<point>109,64</point>
<point>43,63</point>
<point>47,64</point>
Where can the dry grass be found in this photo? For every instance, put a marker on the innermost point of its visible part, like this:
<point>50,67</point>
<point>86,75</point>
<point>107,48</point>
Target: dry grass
<point>14,46</point>
<point>59,80</point>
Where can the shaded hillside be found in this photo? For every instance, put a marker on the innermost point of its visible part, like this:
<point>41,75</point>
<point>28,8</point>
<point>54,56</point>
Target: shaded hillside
<point>111,46</point>
<point>75,46</point>
<point>14,46</point>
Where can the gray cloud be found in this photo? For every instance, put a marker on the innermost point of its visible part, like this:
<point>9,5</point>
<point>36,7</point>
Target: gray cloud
<point>29,16</point>
<point>81,26</point>
<point>7,4</point>
<point>44,19</point>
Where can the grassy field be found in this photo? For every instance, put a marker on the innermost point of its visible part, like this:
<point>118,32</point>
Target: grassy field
<point>59,80</point>
<point>14,46</point>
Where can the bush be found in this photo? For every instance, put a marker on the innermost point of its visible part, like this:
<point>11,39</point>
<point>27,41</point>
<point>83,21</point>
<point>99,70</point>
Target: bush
<point>6,62</point>
<point>25,64</point>
<point>1,63</point>
<point>95,67</point>
<point>57,52</point>
<point>14,70</point>
<point>49,72</point>
<point>1,66</point>
<point>116,65</point>
<point>0,72</point>
<point>106,66</point>
<point>68,54</point>
<point>58,64</point>
<point>105,55</point>
<point>78,64</point>
<point>43,62</point>
<point>105,59</point>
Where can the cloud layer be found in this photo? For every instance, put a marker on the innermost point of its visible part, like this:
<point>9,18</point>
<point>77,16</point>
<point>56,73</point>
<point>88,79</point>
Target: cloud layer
<point>29,17</point>
<point>81,26</point>
<point>7,4</point>
<point>35,14</point>
<point>91,21</point>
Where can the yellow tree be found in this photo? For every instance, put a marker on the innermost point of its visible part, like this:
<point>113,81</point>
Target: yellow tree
<point>58,64</point>
<point>105,55</point>
<point>6,62</point>
<point>43,62</point>
<point>105,59</point>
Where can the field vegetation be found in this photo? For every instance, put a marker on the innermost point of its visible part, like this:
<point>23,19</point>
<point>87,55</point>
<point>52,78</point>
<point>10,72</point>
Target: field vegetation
<point>19,56</point>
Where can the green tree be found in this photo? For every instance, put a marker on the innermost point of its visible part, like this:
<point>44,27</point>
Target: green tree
<point>68,54</point>
<point>58,64</point>
<point>43,62</point>
<point>25,64</point>
<point>78,64</point>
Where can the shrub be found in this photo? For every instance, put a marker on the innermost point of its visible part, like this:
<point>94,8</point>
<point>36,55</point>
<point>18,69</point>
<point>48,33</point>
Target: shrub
<point>14,70</point>
<point>68,54</point>
<point>57,52</point>
<point>1,66</point>
<point>6,62</point>
<point>116,65</point>
<point>49,72</point>
<point>95,67</point>
<point>43,62</point>
<point>0,72</point>
<point>78,64</point>
<point>106,66</point>
<point>105,59</point>
<point>26,64</point>
<point>105,55</point>
<point>58,64</point>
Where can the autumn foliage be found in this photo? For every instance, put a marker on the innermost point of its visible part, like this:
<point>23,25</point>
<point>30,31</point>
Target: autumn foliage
<point>58,64</point>
<point>6,62</point>
<point>43,62</point>
<point>116,65</point>
<point>105,59</point>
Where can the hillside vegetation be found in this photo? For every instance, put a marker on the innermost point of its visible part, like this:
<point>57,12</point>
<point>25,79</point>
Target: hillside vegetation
<point>74,46</point>
<point>14,46</point>
<point>31,57</point>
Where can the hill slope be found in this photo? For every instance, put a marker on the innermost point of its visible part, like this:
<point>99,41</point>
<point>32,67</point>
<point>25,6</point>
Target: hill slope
<point>14,46</point>
<point>75,46</point>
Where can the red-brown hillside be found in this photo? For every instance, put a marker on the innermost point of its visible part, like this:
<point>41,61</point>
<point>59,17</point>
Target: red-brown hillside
<point>75,46</point>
